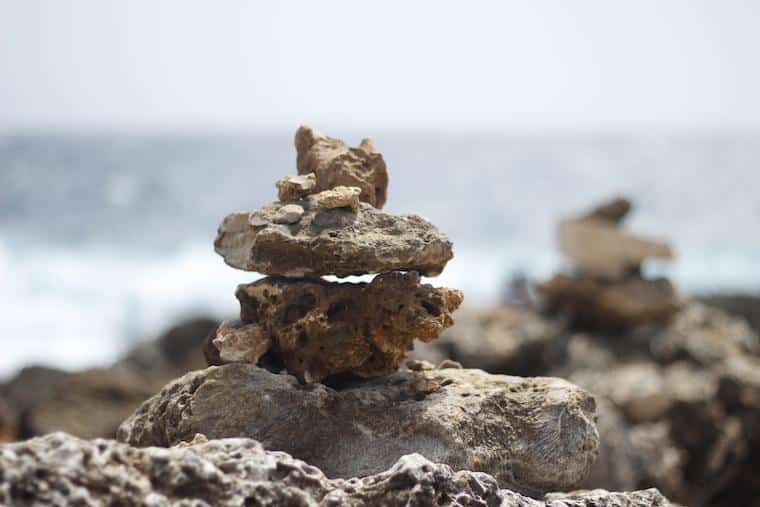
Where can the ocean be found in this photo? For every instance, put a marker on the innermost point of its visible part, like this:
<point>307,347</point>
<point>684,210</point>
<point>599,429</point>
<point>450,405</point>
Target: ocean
<point>106,239</point>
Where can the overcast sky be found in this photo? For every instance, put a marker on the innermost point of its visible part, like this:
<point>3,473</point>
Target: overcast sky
<point>534,64</point>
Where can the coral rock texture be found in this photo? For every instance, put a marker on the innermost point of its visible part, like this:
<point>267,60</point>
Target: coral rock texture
<point>63,470</point>
<point>322,328</point>
<point>333,241</point>
<point>533,434</point>
<point>335,164</point>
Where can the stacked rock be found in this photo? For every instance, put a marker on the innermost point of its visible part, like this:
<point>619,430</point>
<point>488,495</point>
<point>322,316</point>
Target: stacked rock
<point>607,288</point>
<point>328,221</point>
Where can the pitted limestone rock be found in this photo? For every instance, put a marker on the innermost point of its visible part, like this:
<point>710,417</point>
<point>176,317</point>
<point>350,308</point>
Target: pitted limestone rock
<point>62,470</point>
<point>533,434</point>
<point>335,164</point>
<point>331,241</point>
<point>321,328</point>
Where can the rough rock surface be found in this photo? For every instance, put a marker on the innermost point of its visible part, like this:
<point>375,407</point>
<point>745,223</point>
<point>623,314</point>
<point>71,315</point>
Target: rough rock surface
<point>623,304</point>
<point>331,242</point>
<point>291,188</point>
<point>335,164</point>
<point>321,328</point>
<point>339,197</point>
<point>63,470</point>
<point>597,247</point>
<point>678,404</point>
<point>533,434</point>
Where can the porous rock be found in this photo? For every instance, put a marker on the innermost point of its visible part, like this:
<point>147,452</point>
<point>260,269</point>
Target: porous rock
<point>334,164</point>
<point>597,247</point>
<point>291,188</point>
<point>533,434</point>
<point>602,304</point>
<point>322,328</point>
<point>333,241</point>
<point>60,470</point>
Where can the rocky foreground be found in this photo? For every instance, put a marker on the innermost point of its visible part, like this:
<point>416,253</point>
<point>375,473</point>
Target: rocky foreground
<point>59,469</point>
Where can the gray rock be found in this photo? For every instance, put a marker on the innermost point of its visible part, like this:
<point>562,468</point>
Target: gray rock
<point>289,214</point>
<point>533,434</point>
<point>333,241</point>
<point>60,470</point>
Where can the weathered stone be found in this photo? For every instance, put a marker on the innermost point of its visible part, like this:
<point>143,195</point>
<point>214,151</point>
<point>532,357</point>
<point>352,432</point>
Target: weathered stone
<point>339,197</point>
<point>597,247</point>
<point>335,164</point>
<point>291,188</point>
<point>600,304</point>
<point>245,343</point>
<point>332,242</point>
<point>62,470</point>
<point>322,328</point>
<point>533,434</point>
<point>288,214</point>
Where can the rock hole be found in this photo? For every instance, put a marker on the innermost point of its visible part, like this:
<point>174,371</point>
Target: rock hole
<point>303,339</point>
<point>340,311</point>
<point>431,309</point>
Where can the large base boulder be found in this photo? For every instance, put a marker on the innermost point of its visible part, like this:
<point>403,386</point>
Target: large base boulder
<point>533,434</point>
<point>62,470</point>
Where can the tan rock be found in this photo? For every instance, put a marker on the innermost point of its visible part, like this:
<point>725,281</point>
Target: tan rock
<point>291,188</point>
<point>333,241</point>
<point>339,197</point>
<point>613,211</point>
<point>600,304</point>
<point>245,343</point>
<point>322,328</point>
<point>335,164</point>
<point>597,247</point>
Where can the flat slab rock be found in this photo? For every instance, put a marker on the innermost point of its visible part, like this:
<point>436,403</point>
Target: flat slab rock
<point>533,434</point>
<point>601,304</point>
<point>60,470</point>
<point>331,241</point>
<point>318,328</point>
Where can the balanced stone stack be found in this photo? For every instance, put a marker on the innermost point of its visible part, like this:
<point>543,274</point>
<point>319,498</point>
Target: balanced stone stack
<point>607,289</point>
<point>327,221</point>
<point>315,368</point>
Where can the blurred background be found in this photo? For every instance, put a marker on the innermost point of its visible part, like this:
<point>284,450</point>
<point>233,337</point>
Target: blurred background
<point>128,129</point>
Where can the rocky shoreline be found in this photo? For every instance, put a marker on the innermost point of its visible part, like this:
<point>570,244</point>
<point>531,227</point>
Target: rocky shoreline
<point>386,393</point>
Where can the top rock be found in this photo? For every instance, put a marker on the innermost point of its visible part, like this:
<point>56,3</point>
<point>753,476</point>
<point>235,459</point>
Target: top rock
<point>597,246</point>
<point>335,164</point>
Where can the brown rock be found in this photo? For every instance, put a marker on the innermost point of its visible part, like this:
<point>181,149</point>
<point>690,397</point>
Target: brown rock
<point>533,434</point>
<point>335,164</point>
<point>600,304</point>
<point>333,241</point>
<point>291,188</point>
<point>322,328</point>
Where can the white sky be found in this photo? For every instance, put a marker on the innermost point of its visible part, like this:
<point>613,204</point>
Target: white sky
<point>534,64</point>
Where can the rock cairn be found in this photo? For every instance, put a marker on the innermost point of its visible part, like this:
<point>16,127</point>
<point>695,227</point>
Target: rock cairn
<point>328,221</point>
<point>606,288</point>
